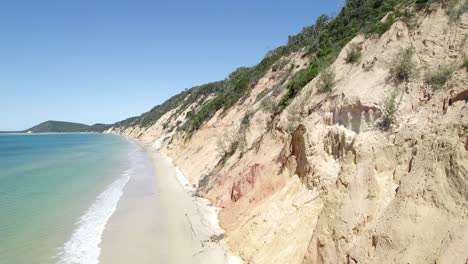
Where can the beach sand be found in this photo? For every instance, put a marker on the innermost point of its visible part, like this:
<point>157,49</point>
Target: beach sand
<point>157,220</point>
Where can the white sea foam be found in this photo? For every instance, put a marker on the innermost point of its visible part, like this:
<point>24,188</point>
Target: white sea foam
<point>83,246</point>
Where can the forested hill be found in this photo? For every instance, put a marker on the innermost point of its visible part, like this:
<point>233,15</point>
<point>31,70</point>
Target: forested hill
<point>63,127</point>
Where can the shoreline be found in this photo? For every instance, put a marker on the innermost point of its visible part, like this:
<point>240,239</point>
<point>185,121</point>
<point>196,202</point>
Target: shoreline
<point>158,219</point>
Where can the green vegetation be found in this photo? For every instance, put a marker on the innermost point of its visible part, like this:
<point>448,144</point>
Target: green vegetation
<point>465,63</point>
<point>268,105</point>
<point>279,65</point>
<point>381,27</point>
<point>421,2</point>
<point>321,41</point>
<point>180,101</point>
<point>309,36</point>
<point>408,16</point>
<point>402,66</point>
<point>299,80</point>
<point>389,112</point>
<point>227,145</point>
<point>326,81</point>
<point>99,127</point>
<point>456,9</point>
<point>439,77</point>
<point>243,79</point>
<point>355,17</point>
<point>293,117</point>
<point>353,54</point>
<point>65,127</point>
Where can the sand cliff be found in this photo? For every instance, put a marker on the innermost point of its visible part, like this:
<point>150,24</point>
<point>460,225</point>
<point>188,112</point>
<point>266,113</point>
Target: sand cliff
<point>322,181</point>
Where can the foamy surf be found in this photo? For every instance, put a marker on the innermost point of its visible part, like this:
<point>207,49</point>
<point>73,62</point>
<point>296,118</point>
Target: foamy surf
<point>83,245</point>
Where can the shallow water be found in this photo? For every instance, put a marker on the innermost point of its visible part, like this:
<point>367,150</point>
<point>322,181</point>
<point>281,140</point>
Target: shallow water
<point>57,192</point>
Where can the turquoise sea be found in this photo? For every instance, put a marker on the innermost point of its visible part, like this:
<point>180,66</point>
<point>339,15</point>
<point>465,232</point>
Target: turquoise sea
<point>57,192</point>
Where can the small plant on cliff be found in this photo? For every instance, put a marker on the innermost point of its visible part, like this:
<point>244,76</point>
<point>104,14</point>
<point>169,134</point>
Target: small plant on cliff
<point>227,145</point>
<point>439,77</point>
<point>456,9</point>
<point>465,63</point>
<point>294,115</point>
<point>203,183</point>
<point>233,140</point>
<point>408,16</point>
<point>353,54</point>
<point>268,105</point>
<point>297,82</point>
<point>389,112</point>
<point>326,81</point>
<point>421,3</point>
<point>279,65</point>
<point>245,122</point>
<point>402,66</point>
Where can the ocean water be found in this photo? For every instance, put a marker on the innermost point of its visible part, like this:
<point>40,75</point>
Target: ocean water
<point>57,191</point>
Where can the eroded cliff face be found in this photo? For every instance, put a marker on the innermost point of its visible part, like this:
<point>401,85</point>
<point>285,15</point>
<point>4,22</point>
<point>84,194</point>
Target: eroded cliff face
<point>323,182</point>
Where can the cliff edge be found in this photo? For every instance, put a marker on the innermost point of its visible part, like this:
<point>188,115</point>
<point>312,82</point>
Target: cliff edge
<point>356,154</point>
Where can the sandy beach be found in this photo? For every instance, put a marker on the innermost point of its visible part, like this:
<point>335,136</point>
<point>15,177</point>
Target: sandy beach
<point>157,220</point>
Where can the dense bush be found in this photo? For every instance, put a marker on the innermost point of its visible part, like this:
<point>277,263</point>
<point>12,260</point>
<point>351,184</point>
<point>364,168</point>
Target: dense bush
<point>299,80</point>
<point>402,66</point>
<point>326,81</point>
<point>439,77</point>
<point>355,17</point>
<point>309,36</point>
<point>421,2</point>
<point>353,54</point>
<point>381,27</point>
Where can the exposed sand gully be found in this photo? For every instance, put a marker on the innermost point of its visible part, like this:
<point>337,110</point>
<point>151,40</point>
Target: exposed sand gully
<point>158,220</point>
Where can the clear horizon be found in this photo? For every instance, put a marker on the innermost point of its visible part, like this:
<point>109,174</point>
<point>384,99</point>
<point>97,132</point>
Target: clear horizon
<point>90,62</point>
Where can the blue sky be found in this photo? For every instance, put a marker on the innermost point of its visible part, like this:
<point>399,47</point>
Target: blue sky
<point>103,61</point>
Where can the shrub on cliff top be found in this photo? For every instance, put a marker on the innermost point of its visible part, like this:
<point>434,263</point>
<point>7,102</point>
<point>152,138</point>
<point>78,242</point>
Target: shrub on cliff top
<point>322,42</point>
<point>381,27</point>
<point>356,16</point>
